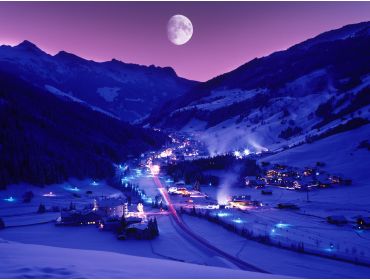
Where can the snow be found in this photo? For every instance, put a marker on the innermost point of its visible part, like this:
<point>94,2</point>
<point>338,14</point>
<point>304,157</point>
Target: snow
<point>37,261</point>
<point>24,226</point>
<point>108,93</point>
<point>18,213</point>
<point>70,96</point>
<point>340,153</point>
<point>274,260</point>
<point>222,98</point>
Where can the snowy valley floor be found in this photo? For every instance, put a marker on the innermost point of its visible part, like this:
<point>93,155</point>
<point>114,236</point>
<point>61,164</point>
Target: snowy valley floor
<point>36,261</point>
<point>46,251</point>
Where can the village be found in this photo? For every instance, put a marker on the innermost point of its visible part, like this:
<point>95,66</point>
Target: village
<point>276,208</point>
<point>112,214</point>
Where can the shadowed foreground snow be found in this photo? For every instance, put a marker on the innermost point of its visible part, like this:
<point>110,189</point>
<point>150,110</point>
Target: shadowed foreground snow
<point>19,260</point>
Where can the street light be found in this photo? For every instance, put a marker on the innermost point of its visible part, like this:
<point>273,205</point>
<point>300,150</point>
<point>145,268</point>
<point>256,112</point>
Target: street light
<point>155,169</point>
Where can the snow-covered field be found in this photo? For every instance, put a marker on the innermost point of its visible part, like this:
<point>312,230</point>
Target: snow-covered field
<point>14,212</point>
<point>274,260</point>
<point>308,224</point>
<point>339,152</point>
<point>37,261</point>
<point>24,231</point>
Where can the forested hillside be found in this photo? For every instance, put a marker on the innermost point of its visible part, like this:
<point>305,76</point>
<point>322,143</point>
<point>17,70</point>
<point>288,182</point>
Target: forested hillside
<point>44,139</point>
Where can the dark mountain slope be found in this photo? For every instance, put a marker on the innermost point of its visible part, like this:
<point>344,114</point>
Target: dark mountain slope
<point>342,54</point>
<point>129,91</point>
<point>282,99</point>
<point>44,139</point>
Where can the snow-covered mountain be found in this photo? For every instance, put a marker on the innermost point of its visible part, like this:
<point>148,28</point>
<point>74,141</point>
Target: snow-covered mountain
<point>128,91</point>
<point>311,90</point>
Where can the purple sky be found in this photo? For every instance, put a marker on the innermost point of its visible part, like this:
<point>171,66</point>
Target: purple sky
<point>226,34</point>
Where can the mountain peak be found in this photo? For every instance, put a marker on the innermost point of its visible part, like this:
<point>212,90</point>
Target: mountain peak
<point>27,45</point>
<point>69,56</point>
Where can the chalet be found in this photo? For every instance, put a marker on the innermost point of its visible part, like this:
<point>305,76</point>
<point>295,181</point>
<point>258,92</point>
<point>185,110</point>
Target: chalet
<point>324,183</point>
<point>111,207</point>
<point>74,218</point>
<point>241,202</point>
<point>266,192</point>
<point>308,171</point>
<point>337,220</point>
<point>179,189</point>
<point>335,179</point>
<point>363,222</point>
<point>133,220</point>
<point>138,231</point>
<point>287,206</point>
<point>110,224</point>
<point>241,198</point>
<point>253,181</point>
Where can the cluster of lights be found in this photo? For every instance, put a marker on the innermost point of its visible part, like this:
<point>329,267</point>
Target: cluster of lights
<point>165,153</point>
<point>246,152</point>
<point>240,154</point>
<point>155,169</point>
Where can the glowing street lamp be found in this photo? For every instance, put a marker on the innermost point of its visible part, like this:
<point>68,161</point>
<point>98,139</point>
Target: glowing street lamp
<point>155,169</point>
<point>237,154</point>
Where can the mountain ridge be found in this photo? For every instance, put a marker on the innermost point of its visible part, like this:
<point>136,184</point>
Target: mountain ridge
<point>279,97</point>
<point>114,86</point>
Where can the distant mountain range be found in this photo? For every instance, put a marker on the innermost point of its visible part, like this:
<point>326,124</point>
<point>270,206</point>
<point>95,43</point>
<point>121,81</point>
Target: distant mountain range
<point>126,91</point>
<point>282,99</point>
<point>63,116</point>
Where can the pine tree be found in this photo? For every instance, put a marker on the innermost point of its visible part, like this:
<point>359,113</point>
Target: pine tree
<point>72,206</point>
<point>156,231</point>
<point>2,224</point>
<point>42,209</point>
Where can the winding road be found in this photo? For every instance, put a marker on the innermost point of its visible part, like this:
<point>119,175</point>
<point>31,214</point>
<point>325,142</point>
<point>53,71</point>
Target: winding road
<point>198,240</point>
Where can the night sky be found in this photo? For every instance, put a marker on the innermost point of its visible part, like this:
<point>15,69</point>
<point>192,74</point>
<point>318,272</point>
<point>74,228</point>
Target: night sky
<point>226,34</point>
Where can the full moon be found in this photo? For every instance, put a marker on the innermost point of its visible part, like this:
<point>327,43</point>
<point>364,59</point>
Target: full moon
<point>179,29</point>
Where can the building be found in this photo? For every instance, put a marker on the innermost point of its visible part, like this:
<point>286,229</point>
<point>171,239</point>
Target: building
<point>110,207</point>
<point>75,218</point>
<point>242,202</point>
<point>337,220</point>
<point>138,231</point>
<point>110,224</point>
<point>266,192</point>
<point>287,206</point>
<point>363,222</point>
<point>253,181</point>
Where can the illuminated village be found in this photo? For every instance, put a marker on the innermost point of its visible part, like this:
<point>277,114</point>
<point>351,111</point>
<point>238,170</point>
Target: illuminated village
<point>115,167</point>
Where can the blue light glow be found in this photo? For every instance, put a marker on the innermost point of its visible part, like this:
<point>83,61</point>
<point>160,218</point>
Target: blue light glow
<point>72,189</point>
<point>223,214</point>
<point>282,225</point>
<point>10,199</point>
<point>238,221</point>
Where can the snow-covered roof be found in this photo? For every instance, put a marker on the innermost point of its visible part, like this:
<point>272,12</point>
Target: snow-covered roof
<point>110,202</point>
<point>140,226</point>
